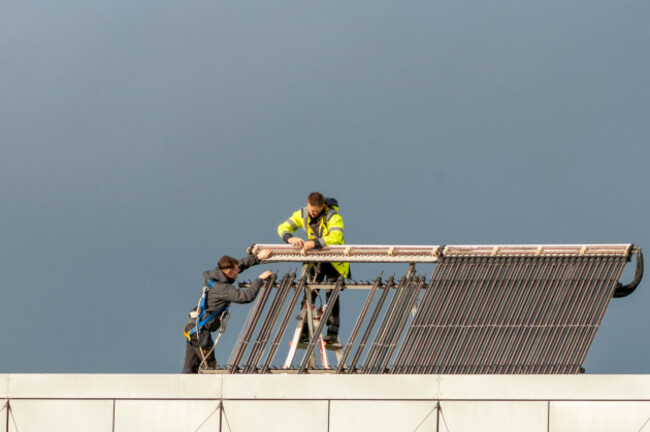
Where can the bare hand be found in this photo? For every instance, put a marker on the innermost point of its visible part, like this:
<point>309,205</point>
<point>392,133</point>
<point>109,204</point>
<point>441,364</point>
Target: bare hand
<point>266,274</point>
<point>308,245</point>
<point>296,242</point>
<point>264,254</point>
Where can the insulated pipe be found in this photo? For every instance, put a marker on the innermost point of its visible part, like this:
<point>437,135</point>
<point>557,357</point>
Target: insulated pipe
<point>626,290</point>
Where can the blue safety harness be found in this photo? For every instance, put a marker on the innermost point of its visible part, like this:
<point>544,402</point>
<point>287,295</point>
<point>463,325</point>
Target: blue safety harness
<point>201,322</point>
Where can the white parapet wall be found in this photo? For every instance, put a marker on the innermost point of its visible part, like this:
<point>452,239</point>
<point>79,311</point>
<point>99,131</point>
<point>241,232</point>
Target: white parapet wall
<point>322,403</point>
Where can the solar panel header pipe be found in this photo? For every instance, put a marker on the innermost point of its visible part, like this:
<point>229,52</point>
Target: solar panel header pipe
<point>431,253</point>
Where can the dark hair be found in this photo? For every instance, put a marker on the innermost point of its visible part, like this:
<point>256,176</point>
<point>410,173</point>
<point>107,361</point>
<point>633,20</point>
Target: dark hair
<point>316,199</point>
<point>227,262</point>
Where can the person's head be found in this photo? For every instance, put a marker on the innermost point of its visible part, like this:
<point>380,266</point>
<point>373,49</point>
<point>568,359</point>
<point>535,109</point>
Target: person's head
<point>229,266</point>
<point>315,203</point>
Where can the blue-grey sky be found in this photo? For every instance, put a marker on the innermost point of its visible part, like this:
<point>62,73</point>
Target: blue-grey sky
<point>141,141</point>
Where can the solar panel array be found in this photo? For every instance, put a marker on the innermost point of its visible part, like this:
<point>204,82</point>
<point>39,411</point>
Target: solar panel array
<point>477,314</point>
<point>509,315</point>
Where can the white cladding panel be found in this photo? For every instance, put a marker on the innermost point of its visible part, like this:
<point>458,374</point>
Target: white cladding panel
<point>166,415</point>
<point>498,416</point>
<point>280,416</point>
<point>547,387</point>
<point>118,386</point>
<point>324,403</point>
<point>61,415</point>
<point>599,416</point>
<point>382,416</point>
<point>4,385</point>
<point>323,386</point>
<point>3,413</point>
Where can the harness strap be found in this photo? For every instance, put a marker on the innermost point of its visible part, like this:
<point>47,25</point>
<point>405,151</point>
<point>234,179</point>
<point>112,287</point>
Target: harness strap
<point>207,320</point>
<point>202,322</point>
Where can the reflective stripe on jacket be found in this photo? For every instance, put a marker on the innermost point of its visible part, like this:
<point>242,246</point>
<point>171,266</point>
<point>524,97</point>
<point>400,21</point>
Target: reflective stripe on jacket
<point>330,231</point>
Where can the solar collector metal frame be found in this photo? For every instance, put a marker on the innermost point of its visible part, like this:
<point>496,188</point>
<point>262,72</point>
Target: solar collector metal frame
<point>486,309</point>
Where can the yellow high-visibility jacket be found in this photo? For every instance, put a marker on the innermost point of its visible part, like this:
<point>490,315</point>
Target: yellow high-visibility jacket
<point>330,231</point>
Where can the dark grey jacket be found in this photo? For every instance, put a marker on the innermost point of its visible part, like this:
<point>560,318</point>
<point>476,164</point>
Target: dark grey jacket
<point>222,292</point>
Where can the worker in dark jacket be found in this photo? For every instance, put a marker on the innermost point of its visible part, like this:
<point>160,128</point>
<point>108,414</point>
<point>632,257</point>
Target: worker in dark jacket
<point>220,295</point>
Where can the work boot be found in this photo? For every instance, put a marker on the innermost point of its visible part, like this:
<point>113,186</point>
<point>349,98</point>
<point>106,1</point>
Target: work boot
<point>304,335</point>
<point>331,339</point>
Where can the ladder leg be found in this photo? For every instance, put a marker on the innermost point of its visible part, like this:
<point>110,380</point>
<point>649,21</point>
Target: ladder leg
<point>295,340</point>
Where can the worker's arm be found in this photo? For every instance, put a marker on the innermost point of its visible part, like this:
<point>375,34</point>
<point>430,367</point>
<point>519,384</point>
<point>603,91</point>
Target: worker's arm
<point>253,259</point>
<point>248,261</point>
<point>291,225</point>
<point>234,295</point>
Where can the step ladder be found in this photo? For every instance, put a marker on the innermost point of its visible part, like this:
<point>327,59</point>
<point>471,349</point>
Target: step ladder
<point>314,319</point>
<point>297,344</point>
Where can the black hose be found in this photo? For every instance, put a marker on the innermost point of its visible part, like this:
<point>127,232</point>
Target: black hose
<point>625,290</point>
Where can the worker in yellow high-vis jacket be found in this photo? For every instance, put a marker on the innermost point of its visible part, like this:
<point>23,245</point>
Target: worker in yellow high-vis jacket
<point>323,226</point>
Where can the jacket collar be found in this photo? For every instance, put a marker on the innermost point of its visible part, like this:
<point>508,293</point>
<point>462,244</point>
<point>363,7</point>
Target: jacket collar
<point>217,275</point>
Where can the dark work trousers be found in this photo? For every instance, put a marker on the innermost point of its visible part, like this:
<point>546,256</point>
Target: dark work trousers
<point>329,272</point>
<point>193,356</point>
